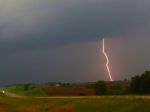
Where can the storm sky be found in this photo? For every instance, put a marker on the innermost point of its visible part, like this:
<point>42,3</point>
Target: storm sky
<point>61,40</point>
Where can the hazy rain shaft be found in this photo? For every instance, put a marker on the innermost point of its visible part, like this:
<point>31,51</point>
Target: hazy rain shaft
<point>60,40</point>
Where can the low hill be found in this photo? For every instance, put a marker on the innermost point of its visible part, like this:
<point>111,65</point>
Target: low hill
<point>25,90</point>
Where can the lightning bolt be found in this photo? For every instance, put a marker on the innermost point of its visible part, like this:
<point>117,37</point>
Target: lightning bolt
<point>107,59</point>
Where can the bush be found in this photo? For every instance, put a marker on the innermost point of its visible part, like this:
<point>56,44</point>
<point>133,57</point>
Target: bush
<point>100,87</point>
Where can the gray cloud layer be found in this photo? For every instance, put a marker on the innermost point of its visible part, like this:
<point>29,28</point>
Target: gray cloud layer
<point>30,29</point>
<point>28,24</point>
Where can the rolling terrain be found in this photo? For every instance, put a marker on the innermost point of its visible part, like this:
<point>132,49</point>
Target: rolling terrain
<point>48,98</point>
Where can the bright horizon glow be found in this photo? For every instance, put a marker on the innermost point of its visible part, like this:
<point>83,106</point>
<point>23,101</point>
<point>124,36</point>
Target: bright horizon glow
<point>107,59</point>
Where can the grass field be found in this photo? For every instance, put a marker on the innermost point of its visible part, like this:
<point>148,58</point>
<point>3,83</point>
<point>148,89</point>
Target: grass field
<point>76,104</point>
<point>32,90</point>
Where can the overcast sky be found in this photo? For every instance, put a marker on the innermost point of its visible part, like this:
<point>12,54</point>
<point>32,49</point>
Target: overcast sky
<point>60,40</point>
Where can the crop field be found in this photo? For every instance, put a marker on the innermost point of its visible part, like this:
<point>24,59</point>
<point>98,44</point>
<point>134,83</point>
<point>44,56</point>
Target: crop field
<point>76,104</point>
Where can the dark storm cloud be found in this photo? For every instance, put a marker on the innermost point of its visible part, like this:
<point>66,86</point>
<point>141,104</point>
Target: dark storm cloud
<point>29,24</point>
<point>58,40</point>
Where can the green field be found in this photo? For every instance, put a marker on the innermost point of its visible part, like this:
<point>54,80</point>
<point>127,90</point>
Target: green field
<point>76,104</point>
<point>31,90</point>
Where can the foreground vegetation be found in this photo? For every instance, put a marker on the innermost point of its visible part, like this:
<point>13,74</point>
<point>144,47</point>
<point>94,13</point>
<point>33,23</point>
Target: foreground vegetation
<point>76,104</point>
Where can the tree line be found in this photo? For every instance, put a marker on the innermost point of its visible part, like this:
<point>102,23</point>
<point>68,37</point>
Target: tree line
<point>139,84</point>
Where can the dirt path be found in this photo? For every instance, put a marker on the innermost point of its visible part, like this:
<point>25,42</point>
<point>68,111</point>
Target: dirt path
<point>9,94</point>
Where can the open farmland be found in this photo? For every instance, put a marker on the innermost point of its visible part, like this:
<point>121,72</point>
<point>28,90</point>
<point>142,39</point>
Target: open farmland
<point>69,91</point>
<point>76,104</point>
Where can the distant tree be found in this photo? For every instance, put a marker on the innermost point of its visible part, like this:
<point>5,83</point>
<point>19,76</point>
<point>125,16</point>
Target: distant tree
<point>141,84</point>
<point>135,84</point>
<point>26,87</point>
<point>100,87</point>
<point>29,86</point>
<point>145,83</point>
<point>66,85</point>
